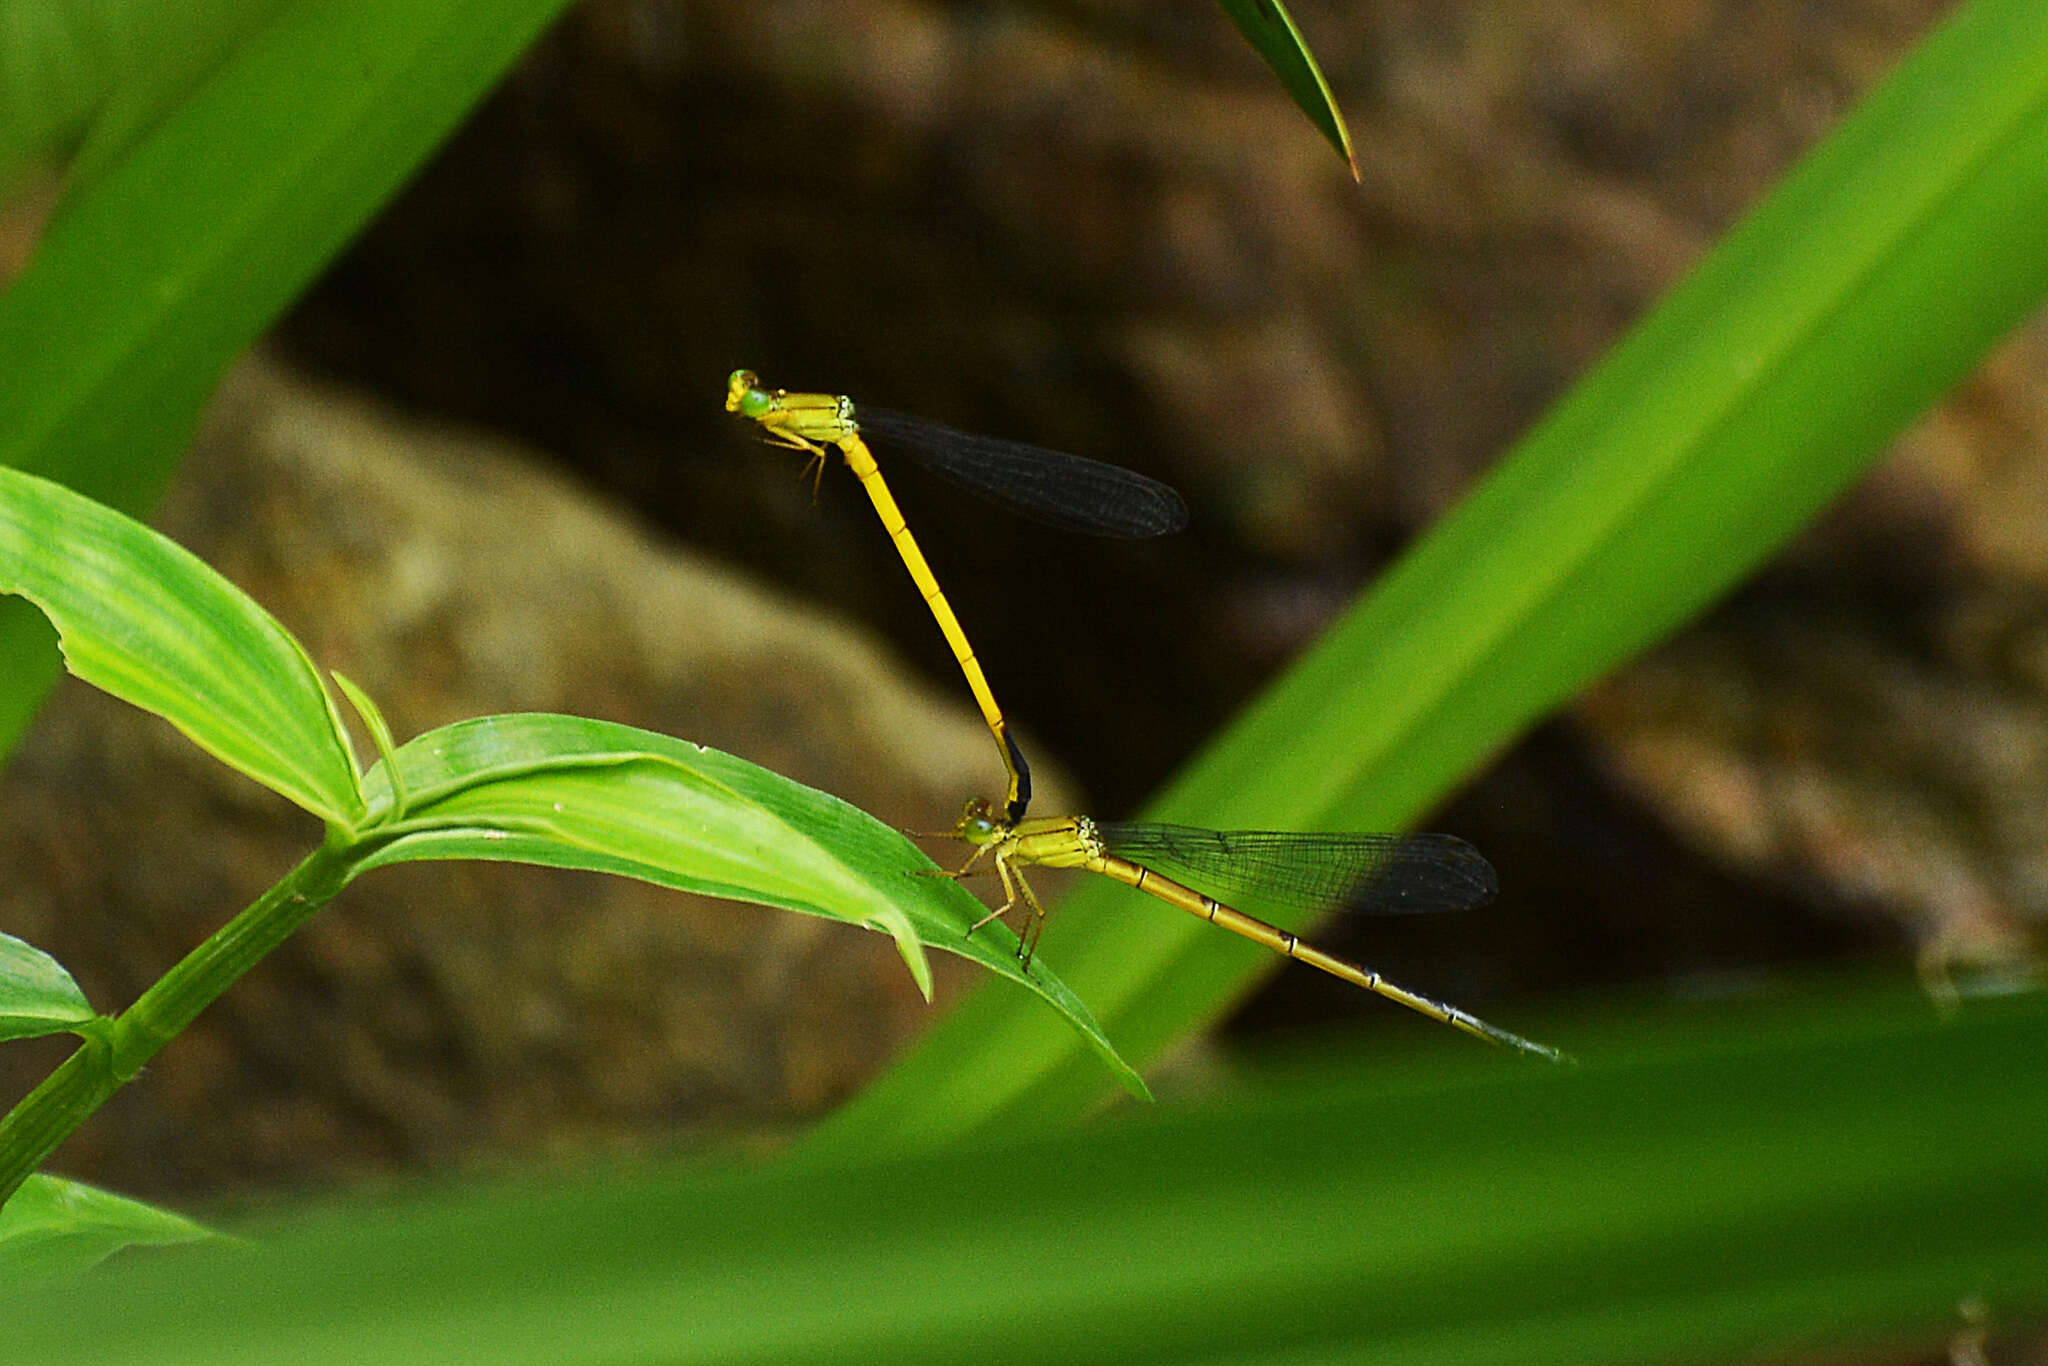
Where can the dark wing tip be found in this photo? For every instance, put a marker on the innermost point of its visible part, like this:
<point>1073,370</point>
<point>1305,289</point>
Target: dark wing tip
<point>1430,873</point>
<point>1167,514</point>
<point>1473,869</point>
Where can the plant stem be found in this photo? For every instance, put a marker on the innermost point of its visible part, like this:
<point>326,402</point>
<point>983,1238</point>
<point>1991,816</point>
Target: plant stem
<point>100,1067</point>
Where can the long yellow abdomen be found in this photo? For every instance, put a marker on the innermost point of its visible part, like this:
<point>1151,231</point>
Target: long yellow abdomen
<point>1286,942</point>
<point>862,462</point>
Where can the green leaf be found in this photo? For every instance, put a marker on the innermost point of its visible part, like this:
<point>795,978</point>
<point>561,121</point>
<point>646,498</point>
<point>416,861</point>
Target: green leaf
<point>37,996</point>
<point>53,1227</point>
<point>1868,283</point>
<point>1270,29</point>
<point>569,792</point>
<point>1748,1183</point>
<point>149,622</point>
<point>380,731</point>
<point>181,250</point>
<point>144,619</point>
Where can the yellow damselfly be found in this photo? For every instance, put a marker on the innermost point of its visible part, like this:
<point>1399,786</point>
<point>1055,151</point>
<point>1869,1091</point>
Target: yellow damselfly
<point>1060,490</point>
<point>1305,871</point>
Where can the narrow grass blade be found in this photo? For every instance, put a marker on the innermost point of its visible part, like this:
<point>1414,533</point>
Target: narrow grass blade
<point>180,250</point>
<point>1270,29</point>
<point>81,80</point>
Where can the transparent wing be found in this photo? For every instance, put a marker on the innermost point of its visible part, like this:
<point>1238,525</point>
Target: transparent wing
<point>1060,490</point>
<point>1309,872</point>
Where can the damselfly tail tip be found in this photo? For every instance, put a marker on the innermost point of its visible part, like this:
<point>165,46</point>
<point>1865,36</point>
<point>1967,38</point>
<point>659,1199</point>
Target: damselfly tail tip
<point>1504,1038</point>
<point>1541,1050</point>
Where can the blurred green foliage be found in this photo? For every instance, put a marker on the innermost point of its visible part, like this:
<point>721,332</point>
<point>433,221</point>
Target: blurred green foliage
<point>1710,1184</point>
<point>229,150</point>
<point>51,1227</point>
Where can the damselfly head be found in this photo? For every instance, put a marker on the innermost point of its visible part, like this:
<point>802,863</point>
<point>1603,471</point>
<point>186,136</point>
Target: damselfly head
<point>744,394</point>
<point>978,824</point>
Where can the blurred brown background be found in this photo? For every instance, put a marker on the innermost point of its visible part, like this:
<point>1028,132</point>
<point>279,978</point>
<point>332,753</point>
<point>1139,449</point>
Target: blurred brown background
<point>1100,227</point>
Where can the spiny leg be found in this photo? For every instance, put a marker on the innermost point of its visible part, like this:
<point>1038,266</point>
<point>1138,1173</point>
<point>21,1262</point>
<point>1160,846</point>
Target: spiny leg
<point>1027,942</point>
<point>1009,890</point>
<point>815,466</point>
<point>968,869</point>
<point>964,871</point>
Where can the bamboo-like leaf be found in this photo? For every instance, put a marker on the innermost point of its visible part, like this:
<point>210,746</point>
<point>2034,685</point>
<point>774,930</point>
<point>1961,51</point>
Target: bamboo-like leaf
<point>1867,284</point>
<point>51,1227</point>
<point>380,731</point>
<point>37,996</point>
<point>180,250</point>
<point>149,622</point>
<point>1270,29</point>
<point>1748,1186</point>
<point>570,792</point>
<point>144,619</point>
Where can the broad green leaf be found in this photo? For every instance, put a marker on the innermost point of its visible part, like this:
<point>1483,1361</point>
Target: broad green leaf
<point>1868,283</point>
<point>1746,1187</point>
<point>149,622</point>
<point>37,996</point>
<point>53,1227</point>
<point>184,247</point>
<point>569,792</point>
<point>144,619</point>
<point>1270,29</point>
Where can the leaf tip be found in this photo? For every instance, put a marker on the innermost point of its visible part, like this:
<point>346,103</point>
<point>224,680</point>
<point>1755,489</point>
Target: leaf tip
<point>912,950</point>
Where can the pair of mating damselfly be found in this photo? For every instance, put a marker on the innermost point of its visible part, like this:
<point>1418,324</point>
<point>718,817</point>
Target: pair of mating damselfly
<point>1308,872</point>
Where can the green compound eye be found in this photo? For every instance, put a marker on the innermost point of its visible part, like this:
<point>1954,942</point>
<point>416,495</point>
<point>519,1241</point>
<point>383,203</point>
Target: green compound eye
<point>976,825</point>
<point>743,387</point>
